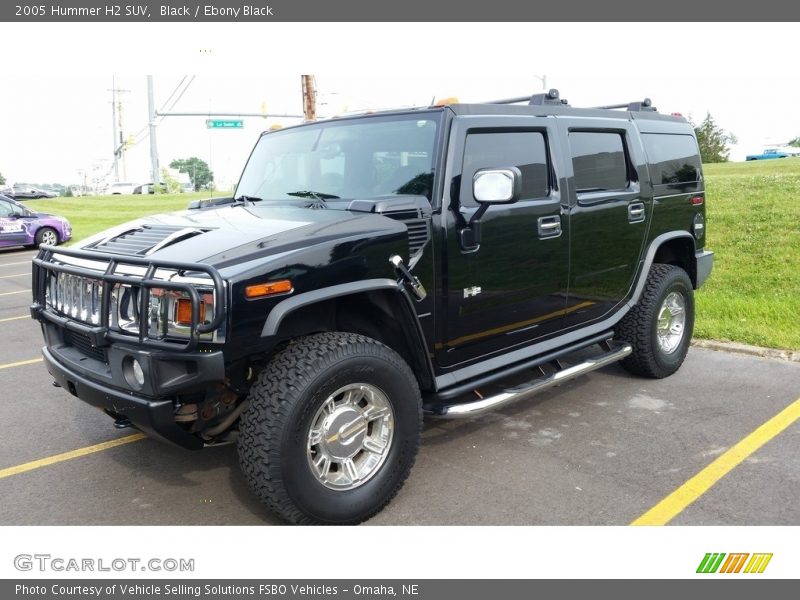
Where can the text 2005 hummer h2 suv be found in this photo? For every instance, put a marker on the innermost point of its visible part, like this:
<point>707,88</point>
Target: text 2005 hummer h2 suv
<point>373,269</point>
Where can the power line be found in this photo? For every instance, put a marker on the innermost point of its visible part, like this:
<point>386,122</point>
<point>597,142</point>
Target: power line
<point>186,87</point>
<point>146,127</point>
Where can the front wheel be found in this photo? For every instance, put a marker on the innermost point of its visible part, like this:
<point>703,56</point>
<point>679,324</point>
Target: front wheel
<point>659,327</point>
<point>46,235</point>
<point>331,430</point>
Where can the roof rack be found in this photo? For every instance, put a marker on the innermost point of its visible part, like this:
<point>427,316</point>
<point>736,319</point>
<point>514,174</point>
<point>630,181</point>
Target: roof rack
<point>553,98</point>
<point>637,106</point>
<point>549,98</point>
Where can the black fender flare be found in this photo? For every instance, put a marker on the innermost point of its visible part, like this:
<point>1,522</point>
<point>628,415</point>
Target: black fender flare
<point>650,256</point>
<point>414,329</point>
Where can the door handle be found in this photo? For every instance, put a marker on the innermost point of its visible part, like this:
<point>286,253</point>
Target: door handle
<point>636,212</point>
<point>549,227</point>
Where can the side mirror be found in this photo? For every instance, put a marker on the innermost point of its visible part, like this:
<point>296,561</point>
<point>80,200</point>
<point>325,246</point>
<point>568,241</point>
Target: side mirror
<point>489,186</point>
<point>497,186</point>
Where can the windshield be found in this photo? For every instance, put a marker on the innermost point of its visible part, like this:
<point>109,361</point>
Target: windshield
<point>360,158</point>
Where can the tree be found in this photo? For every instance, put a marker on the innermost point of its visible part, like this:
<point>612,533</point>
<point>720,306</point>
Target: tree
<point>196,168</point>
<point>795,142</point>
<point>2,179</point>
<point>713,141</point>
<point>169,184</point>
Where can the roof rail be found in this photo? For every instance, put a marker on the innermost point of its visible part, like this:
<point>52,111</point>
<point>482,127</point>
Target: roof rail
<point>549,98</point>
<point>637,106</point>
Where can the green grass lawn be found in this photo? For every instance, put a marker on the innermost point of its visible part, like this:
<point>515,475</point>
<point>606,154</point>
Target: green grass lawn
<point>92,214</point>
<point>753,221</point>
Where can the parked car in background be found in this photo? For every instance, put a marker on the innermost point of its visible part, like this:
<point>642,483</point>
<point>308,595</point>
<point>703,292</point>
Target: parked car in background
<point>27,192</point>
<point>121,187</point>
<point>145,188</point>
<point>20,226</point>
<point>768,154</point>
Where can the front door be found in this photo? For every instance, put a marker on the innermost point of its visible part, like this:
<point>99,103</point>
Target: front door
<point>511,288</point>
<point>12,232</point>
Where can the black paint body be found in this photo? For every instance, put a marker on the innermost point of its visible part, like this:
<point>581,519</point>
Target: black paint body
<point>538,291</point>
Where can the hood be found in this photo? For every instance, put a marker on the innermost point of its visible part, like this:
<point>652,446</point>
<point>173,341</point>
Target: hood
<point>231,233</point>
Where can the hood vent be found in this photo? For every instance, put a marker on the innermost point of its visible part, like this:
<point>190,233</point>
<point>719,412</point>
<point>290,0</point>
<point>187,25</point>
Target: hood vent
<point>413,211</point>
<point>417,229</point>
<point>145,240</point>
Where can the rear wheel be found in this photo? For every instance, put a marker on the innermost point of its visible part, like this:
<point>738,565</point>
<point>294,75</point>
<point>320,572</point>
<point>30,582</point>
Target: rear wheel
<point>331,430</point>
<point>46,235</point>
<point>659,327</point>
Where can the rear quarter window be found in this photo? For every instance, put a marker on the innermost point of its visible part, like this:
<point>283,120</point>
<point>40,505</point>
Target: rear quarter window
<point>674,159</point>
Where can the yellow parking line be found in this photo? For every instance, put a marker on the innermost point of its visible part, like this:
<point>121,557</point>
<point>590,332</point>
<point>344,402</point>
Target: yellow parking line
<point>18,292</point>
<point>15,318</point>
<point>671,506</point>
<point>57,458</point>
<point>22,363</point>
<point>15,275</point>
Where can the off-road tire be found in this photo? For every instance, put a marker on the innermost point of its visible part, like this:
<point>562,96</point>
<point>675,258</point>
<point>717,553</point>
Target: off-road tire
<point>639,326</point>
<point>282,403</point>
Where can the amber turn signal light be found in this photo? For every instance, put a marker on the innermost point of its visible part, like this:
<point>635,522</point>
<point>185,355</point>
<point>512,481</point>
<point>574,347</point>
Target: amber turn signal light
<point>261,290</point>
<point>183,311</point>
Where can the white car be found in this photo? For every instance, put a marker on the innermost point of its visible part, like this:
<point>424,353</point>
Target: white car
<point>121,187</point>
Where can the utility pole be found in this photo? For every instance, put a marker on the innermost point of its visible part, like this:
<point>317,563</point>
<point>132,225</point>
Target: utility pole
<point>151,109</point>
<point>116,115</point>
<point>114,124</point>
<point>309,88</point>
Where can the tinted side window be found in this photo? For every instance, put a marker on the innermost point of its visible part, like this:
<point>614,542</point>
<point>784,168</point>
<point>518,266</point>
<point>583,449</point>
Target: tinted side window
<point>674,159</point>
<point>598,159</point>
<point>522,149</point>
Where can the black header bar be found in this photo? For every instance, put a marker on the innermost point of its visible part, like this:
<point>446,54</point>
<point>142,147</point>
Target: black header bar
<point>679,11</point>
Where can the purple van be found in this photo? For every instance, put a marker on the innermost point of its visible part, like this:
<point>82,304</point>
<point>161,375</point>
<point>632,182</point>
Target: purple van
<point>20,226</point>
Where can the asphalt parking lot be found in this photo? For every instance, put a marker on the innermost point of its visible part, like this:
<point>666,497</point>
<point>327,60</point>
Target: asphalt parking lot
<point>604,449</point>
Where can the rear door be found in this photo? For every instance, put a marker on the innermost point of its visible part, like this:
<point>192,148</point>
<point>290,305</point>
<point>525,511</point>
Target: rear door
<point>611,204</point>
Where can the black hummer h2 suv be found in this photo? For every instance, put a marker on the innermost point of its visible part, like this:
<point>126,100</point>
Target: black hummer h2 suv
<point>373,269</point>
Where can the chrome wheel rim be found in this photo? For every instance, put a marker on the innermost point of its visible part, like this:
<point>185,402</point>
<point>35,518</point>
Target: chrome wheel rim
<point>350,436</point>
<point>49,238</point>
<point>671,322</point>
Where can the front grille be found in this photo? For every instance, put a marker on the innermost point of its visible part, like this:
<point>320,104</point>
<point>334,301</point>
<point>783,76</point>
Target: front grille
<point>75,296</point>
<point>115,301</point>
<point>82,343</point>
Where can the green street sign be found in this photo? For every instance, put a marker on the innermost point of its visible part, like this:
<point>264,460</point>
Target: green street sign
<point>224,123</point>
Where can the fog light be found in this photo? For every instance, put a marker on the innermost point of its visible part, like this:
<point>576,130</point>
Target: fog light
<point>133,372</point>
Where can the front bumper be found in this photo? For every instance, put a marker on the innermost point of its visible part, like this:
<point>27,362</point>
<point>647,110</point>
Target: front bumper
<point>97,383</point>
<point>705,262</point>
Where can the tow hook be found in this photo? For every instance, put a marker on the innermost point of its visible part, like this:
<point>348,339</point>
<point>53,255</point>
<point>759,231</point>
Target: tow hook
<point>411,281</point>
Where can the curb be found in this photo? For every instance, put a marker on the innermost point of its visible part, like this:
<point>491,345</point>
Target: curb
<point>736,348</point>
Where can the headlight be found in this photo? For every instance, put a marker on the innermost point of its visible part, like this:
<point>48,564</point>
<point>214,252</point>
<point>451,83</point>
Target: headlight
<point>171,313</point>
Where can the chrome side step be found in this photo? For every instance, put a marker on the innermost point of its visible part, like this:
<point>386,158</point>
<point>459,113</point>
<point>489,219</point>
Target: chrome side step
<point>461,410</point>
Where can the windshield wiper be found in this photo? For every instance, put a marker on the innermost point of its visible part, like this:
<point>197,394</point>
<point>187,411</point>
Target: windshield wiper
<point>245,199</point>
<point>321,196</point>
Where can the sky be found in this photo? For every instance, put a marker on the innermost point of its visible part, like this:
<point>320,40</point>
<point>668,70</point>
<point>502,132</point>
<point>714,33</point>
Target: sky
<point>56,113</point>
